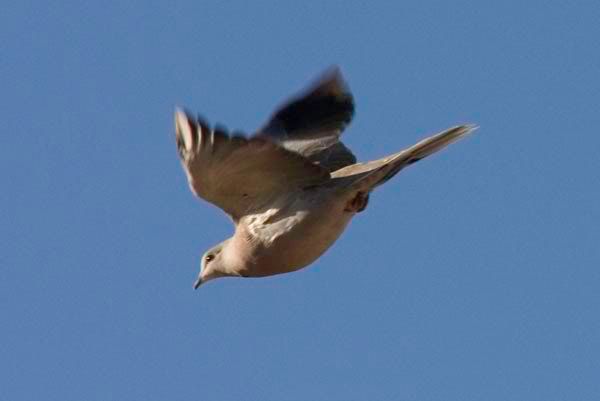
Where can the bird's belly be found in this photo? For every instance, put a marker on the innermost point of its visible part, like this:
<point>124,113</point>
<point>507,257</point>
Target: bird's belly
<point>302,238</point>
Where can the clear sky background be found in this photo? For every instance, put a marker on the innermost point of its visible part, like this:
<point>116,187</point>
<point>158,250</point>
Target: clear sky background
<point>473,275</point>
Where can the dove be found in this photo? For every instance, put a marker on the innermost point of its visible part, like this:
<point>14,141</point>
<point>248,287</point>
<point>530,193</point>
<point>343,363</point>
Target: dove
<point>292,187</point>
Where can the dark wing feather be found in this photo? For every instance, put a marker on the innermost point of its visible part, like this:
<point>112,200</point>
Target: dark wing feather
<point>310,124</point>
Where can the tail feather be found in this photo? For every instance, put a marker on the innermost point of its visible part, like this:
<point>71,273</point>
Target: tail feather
<point>367,176</point>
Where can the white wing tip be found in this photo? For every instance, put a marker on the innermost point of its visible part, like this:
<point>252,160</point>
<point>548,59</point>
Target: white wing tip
<point>470,128</point>
<point>183,129</point>
<point>460,131</point>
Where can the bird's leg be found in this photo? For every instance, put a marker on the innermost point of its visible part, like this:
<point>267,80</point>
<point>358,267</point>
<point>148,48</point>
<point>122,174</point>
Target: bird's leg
<point>358,203</point>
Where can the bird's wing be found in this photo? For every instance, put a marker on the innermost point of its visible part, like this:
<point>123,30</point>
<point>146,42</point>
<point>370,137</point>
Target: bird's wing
<point>311,123</point>
<point>238,174</point>
<point>367,176</point>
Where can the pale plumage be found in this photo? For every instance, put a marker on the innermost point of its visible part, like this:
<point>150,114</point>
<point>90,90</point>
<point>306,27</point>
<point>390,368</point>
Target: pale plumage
<point>291,188</point>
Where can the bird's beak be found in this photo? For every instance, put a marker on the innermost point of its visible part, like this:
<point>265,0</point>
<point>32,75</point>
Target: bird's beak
<point>197,283</point>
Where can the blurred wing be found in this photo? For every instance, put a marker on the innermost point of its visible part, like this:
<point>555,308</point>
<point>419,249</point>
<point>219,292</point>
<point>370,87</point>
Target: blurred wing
<point>311,123</point>
<point>240,175</point>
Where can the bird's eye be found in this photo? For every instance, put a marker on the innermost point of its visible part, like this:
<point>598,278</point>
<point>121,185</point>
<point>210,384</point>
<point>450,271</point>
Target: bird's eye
<point>208,258</point>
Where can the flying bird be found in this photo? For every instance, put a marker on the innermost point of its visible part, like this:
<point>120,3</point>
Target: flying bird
<point>292,187</point>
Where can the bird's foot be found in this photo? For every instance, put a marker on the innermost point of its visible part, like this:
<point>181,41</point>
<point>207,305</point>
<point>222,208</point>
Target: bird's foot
<point>358,203</point>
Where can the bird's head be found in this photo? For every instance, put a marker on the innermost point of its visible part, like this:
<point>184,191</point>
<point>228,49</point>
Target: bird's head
<point>212,265</point>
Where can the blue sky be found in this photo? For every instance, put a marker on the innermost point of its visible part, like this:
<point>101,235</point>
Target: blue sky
<point>474,275</point>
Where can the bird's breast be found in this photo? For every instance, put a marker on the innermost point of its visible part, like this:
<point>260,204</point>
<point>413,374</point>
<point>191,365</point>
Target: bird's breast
<point>296,233</point>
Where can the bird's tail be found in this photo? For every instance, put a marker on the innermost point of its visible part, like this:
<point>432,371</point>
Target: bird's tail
<point>367,176</point>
